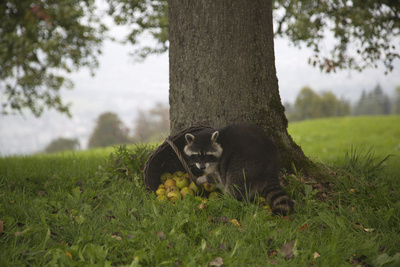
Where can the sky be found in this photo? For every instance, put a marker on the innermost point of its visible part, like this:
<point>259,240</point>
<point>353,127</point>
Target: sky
<point>124,87</point>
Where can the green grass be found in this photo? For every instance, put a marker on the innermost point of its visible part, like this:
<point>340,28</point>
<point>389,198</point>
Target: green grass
<point>88,209</point>
<point>329,139</point>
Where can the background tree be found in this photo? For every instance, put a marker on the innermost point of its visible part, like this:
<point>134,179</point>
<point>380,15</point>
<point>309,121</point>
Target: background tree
<point>366,32</point>
<point>311,105</point>
<point>152,125</point>
<point>62,144</point>
<point>109,130</point>
<point>375,102</point>
<point>396,102</point>
<point>39,42</point>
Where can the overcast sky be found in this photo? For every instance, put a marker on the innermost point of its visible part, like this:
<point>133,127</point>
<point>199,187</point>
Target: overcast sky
<point>123,86</point>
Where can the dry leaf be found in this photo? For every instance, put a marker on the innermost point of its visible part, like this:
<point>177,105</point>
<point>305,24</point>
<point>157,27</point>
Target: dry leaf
<point>216,262</point>
<point>316,255</point>
<point>68,254</point>
<point>116,237</point>
<point>161,235</point>
<point>1,226</point>
<point>235,222</point>
<point>273,261</point>
<point>202,206</point>
<point>287,250</point>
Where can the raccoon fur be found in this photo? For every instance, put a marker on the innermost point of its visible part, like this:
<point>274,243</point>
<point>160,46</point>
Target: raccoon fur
<point>242,160</point>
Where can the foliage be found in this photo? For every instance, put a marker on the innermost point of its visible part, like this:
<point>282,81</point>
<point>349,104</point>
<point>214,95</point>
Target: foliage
<point>375,102</point>
<point>142,16</point>
<point>128,163</point>
<point>71,209</point>
<point>366,31</point>
<point>61,144</point>
<point>373,26</point>
<point>40,42</point>
<point>152,125</point>
<point>109,130</point>
<point>311,105</point>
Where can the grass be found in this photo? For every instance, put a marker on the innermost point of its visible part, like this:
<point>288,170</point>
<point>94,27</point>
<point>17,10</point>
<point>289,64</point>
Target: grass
<point>90,209</point>
<point>329,139</point>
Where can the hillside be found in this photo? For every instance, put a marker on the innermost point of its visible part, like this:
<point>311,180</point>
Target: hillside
<point>329,139</point>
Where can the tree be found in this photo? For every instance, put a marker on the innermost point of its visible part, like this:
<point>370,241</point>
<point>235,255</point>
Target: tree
<point>152,125</point>
<point>61,144</point>
<point>375,102</point>
<point>109,131</point>
<point>311,105</point>
<point>366,31</point>
<point>307,104</point>
<point>222,69</point>
<point>40,41</point>
<point>396,101</point>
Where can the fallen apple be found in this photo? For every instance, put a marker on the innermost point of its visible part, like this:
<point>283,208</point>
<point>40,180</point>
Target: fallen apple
<point>186,191</point>
<point>182,182</point>
<point>173,196</point>
<point>165,176</point>
<point>209,187</point>
<point>169,183</point>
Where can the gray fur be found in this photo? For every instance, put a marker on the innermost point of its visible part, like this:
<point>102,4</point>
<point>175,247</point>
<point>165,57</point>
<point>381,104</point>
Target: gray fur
<point>239,158</point>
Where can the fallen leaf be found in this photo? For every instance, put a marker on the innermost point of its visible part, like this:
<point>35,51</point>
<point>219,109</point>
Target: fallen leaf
<point>216,262</point>
<point>222,219</point>
<point>177,263</point>
<point>18,234</point>
<point>316,255</point>
<point>273,262</point>
<point>287,250</point>
<point>1,226</point>
<point>235,222</point>
<point>68,254</point>
<point>116,237</point>
<point>303,227</point>
<point>202,206</point>
<point>161,235</point>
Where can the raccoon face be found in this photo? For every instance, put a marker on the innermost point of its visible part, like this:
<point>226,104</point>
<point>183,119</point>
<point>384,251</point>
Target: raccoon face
<point>203,151</point>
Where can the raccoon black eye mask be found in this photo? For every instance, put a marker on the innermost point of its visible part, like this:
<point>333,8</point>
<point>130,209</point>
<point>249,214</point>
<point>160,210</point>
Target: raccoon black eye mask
<point>239,157</point>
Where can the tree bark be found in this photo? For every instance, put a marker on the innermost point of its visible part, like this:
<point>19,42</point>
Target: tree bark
<point>222,69</point>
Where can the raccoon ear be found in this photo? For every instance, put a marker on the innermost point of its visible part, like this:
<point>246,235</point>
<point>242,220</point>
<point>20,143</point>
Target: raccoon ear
<point>189,138</point>
<point>214,136</point>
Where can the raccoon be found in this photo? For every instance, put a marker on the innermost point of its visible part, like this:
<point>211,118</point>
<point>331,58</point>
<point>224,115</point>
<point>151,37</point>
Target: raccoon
<point>242,160</point>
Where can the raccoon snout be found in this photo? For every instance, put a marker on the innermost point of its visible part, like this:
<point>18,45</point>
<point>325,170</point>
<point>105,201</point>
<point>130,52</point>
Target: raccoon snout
<point>201,166</point>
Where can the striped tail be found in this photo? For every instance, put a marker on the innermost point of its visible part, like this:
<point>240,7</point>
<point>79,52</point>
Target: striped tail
<point>280,202</point>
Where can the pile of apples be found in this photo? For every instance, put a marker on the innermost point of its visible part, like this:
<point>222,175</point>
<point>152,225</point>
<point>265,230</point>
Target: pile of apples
<point>176,186</point>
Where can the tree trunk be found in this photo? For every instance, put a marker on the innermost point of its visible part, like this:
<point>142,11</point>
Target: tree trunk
<point>222,69</point>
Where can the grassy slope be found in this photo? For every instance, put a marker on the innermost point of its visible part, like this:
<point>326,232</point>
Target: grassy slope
<point>64,209</point>
<point>329,139</point>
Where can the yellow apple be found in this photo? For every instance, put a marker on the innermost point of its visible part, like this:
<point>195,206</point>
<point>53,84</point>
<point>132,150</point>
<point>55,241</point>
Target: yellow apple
<point>209,187</point>
<point>186,191</point>
<point>182,182</point>
<point>213,195</point>
<point>160,191</point>
<point>165,176</point>
<point>169,183</point>
<point>173,196</point>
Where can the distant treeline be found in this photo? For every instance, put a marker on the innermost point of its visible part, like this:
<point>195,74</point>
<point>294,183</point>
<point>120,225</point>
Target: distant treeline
<point>312,105</point>
<point>150,126</point>
<point>153,125</point>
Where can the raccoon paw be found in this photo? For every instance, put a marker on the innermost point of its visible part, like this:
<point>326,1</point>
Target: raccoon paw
<point>201,180</point>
